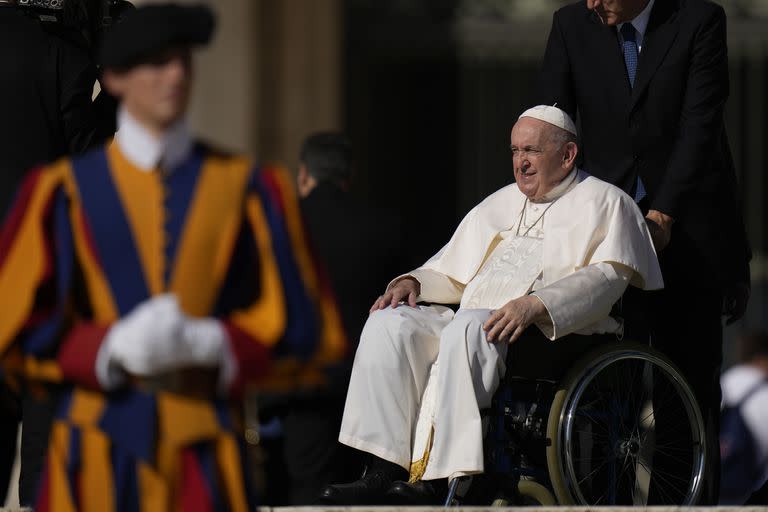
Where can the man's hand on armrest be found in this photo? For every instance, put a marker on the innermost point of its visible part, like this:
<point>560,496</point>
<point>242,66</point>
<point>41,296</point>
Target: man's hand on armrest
<point>405,289</point>
<point>507,323</point>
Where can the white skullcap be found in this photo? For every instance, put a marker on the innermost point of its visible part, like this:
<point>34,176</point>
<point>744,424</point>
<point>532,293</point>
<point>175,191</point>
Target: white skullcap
<point>551,115</point>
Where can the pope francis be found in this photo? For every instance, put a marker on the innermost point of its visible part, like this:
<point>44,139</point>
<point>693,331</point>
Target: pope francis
<point>553,251</point>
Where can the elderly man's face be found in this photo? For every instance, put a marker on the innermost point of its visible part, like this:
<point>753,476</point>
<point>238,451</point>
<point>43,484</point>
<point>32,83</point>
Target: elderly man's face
<point>155,92</point>
<point>613,12</point>
<point>540,162</point>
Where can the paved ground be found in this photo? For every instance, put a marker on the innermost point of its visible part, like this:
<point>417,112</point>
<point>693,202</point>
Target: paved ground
<point>515,509</point>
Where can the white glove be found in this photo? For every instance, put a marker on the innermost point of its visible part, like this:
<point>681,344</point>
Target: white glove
<point>157,337</point>
<point>207,344</point>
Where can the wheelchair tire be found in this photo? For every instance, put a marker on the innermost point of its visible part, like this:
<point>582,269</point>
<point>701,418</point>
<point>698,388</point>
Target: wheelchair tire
<point>605,445</point>
<point>536,493</point>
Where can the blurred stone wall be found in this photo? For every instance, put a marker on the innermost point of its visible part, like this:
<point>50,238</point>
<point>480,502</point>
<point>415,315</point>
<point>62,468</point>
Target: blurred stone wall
<point>271,75</point>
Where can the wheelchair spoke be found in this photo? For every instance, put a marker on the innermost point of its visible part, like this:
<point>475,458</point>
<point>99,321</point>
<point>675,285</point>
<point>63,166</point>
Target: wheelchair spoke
<point>664,494</point>
<point>637,370</point>
<point>634,431</point>
<point>665,402</point>
<point>667,478</point>
<point>675,447</point>
<point>602,496</point>
<point>594,419</point>
<point>630,476</point>
<point>671,438</point>
<point>675,458</point>
<point>592,473</point>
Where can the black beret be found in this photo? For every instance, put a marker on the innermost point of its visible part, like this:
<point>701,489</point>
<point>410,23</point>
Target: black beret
<point>153,28</point>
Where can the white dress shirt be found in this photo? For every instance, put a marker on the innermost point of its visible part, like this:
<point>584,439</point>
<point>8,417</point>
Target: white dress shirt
<point>640,23</point>
<point>148,152</point>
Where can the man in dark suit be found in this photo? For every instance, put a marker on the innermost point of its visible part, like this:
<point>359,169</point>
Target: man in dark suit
<point>46,86</point>
<point>360,246</point>
<point>648,81</point>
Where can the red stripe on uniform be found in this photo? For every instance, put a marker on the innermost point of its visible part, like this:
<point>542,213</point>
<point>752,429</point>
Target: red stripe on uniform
<point>16,214</point>
<point>77,355</point>
<point>273,188</point>
<point>193,496</point>
<point>252,357</point>
<point>43,501</point>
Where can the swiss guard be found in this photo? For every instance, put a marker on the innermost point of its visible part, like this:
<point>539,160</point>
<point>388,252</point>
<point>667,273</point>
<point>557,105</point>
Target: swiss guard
<point>147,283</point>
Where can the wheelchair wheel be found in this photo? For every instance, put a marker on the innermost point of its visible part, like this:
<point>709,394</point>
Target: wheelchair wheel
<point>625,429</point>
<point>533,493</point>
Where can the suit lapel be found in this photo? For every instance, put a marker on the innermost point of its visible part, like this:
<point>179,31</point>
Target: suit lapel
<point>608,60</point>
<point>662,30</point>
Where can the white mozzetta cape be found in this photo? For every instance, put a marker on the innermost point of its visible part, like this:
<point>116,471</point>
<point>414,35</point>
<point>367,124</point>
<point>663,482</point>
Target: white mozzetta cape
<point>592,222</point>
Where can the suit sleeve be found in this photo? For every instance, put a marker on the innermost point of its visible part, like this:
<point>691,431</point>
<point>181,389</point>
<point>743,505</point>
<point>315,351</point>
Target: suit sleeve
<point>554,83</point>
<point>701,117</point>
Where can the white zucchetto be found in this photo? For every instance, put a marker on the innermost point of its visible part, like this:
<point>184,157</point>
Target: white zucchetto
<point>551,115</point>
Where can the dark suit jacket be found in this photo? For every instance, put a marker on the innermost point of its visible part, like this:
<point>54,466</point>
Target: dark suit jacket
<point>668,129</point>
<point>361,247</point>
<point>46,85</point>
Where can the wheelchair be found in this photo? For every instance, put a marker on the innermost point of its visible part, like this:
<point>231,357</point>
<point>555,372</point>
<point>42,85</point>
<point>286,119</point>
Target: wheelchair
<point>619,427</point>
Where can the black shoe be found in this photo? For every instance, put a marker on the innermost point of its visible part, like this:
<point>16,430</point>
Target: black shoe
<point>369,490</point>
<point>423,492</point>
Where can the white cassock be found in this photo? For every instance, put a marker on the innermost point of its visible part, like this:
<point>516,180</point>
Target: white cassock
<point>577,250</point>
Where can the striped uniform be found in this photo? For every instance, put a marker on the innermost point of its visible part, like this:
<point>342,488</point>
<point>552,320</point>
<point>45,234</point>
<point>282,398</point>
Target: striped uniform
<point>91,238</point>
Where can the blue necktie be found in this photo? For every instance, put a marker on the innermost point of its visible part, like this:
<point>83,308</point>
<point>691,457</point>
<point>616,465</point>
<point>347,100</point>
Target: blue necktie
<point>629,46</point>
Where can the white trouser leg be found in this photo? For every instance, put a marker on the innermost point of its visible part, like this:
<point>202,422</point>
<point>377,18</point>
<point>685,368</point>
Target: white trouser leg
<point>469,372</point>
<point>397,347</point>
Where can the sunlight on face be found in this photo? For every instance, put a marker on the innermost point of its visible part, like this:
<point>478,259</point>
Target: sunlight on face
<point>539,164</point>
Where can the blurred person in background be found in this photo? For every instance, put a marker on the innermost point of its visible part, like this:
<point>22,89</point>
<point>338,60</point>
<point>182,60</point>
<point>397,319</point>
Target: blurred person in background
<point>649,82</point>
<point>744,427</point>
<point>360,247</point>
<point>47,78</point>
<point>146,283</point>
<point>359,243</point>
